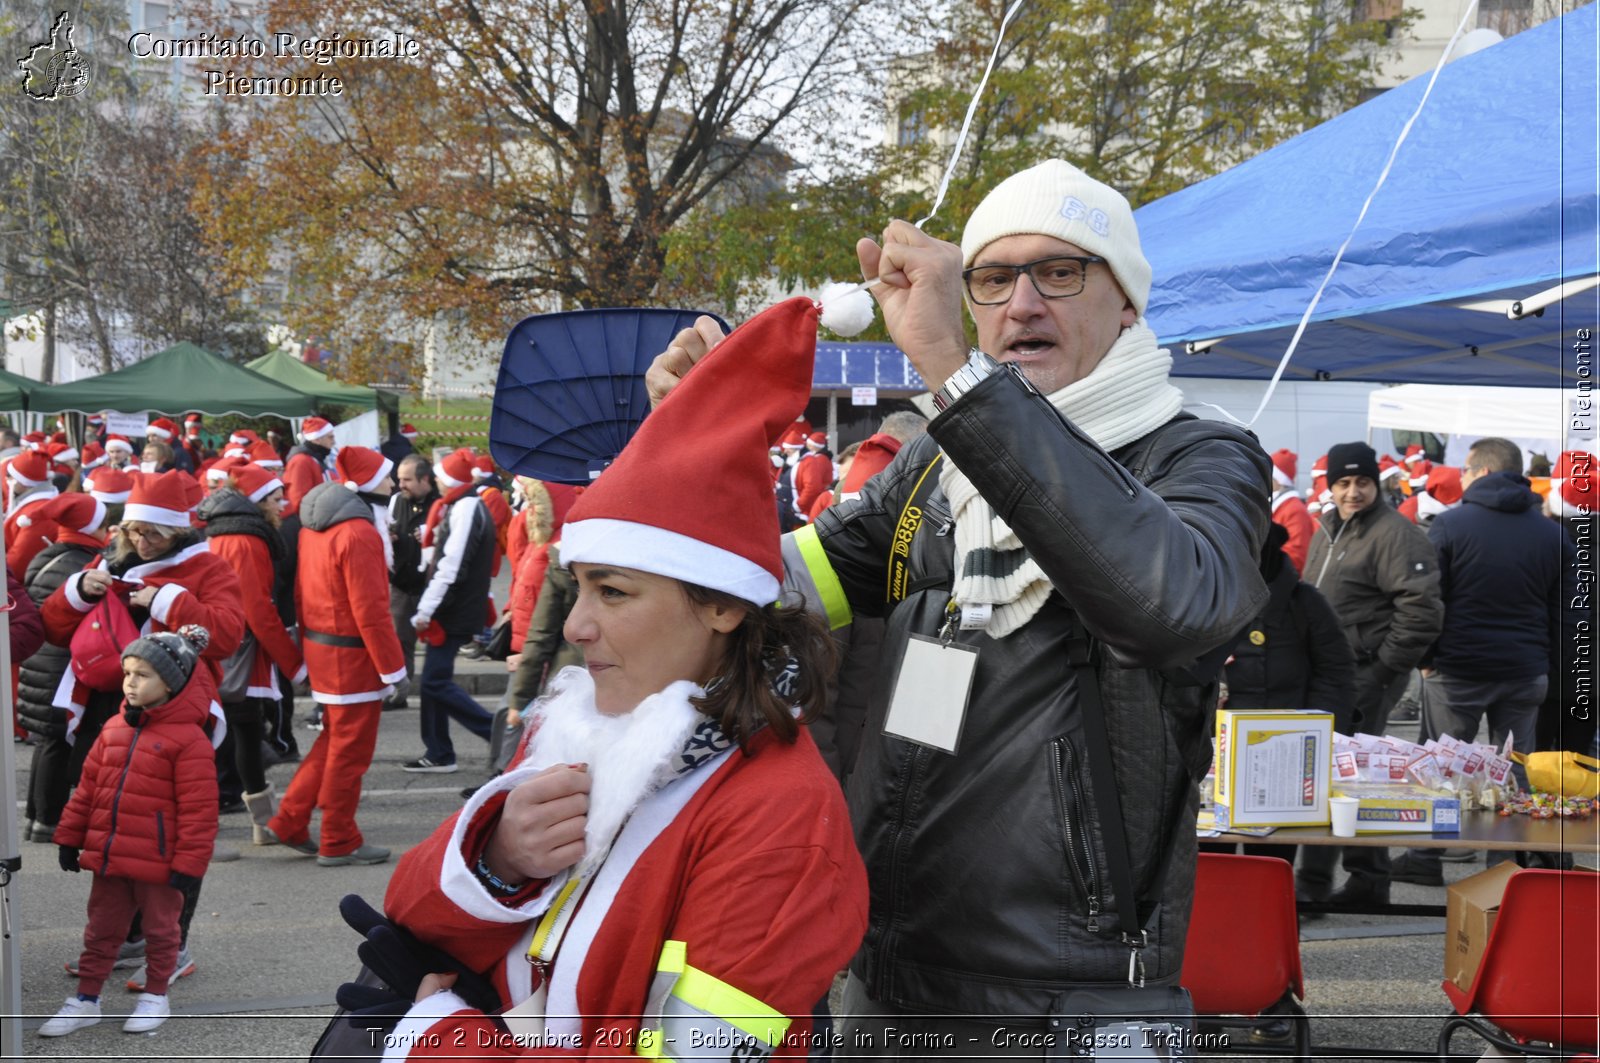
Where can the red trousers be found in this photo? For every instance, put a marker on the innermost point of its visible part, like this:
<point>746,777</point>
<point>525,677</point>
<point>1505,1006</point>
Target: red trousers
<point>112,902</point>
<point>329,778</point>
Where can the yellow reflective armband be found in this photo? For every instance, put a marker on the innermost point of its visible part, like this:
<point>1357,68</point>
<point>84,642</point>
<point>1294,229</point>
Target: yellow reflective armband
<point>697,1015</point>
<point>823,577</point>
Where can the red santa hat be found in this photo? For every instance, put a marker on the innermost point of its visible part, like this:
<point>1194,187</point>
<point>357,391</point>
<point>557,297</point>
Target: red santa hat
<point>1284,463</point>
<point>314,428</point>
<point>254,482</point>
<point>739,399</point>
<point>1419,472</point>
<point>161,427</point>
<point>817,441</point>
<point>237,451</point>
<point>1414,454</point>
<point>793,439</point>
<point>80,512</point>
<point>1444,484</point>
<point>30,468</point>
<point>220,470</point>
<point>62,452</point>
<point>1388,468</point>
<point>34,440</point>
<point>118,443</point>
<point>362,468</point>
<point>408,431</point>
<point>161,498</point>
<point>243,438</point>
<point>94,455</point>
<point>482,467</point>
<point>1574,485</point>
<point>111,485</point>
<point>97,419</point>
<point>1319,467</point>
<point>455,468</point>
<point>265,455</point>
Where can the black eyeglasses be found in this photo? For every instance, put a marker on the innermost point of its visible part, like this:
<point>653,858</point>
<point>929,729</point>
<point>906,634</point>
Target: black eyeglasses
<point>1056,277</point>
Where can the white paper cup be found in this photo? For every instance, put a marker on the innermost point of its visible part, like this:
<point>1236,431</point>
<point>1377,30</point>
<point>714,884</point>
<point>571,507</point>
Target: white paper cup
<point>1344,811</point>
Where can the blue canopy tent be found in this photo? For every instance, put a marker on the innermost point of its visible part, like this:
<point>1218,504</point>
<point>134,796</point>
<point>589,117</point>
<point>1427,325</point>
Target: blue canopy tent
<point>1476,262</point>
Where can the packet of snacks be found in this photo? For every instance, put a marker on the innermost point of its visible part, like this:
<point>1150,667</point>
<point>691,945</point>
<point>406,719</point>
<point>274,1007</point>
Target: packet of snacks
<point>1425,771</point>
<point>1345,766</point>
<point>1386,767</point>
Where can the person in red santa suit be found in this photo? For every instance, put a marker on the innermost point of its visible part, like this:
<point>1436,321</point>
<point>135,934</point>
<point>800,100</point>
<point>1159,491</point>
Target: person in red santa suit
<point>352,657</point>
<point>165,432</point>
<point>1288,510</point>
<point>812,475</point>
<point>27,531</point>
<point>242,517</point>
<point>670,839</point>
<point>119,452</point>
<point>307,464</point>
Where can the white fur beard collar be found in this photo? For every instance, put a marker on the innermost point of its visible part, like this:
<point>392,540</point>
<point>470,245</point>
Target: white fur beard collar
<point>630,756</point>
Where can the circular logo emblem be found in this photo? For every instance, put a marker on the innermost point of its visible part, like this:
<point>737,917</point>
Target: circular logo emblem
<point>1258,638</point>
<point>68,73</point>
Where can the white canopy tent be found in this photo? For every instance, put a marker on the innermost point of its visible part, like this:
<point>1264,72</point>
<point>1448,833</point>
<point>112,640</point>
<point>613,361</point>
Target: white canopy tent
<point>1535,418</point>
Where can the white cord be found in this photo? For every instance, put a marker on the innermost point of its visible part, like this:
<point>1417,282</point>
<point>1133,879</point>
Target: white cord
<point>1405,131</point>
<point>972,108</point>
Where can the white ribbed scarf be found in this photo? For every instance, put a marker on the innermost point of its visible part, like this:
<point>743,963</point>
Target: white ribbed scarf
<point>1127,396</point>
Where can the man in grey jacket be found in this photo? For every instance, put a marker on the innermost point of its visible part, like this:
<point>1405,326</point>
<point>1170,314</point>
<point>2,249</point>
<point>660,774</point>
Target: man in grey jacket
<point>1379,572</point>
<point>1059,491</point>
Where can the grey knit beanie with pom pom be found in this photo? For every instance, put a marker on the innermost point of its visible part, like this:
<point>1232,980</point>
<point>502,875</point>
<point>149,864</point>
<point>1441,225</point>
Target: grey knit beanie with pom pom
<point>172,654</point>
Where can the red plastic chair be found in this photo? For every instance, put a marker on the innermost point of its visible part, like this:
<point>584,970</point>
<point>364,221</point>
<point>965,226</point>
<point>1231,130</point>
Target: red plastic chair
<point>1243,951</point>
<point>1539,983</point>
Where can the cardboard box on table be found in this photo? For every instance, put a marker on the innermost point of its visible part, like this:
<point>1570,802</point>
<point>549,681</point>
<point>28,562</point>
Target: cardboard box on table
<point>1273,768</point>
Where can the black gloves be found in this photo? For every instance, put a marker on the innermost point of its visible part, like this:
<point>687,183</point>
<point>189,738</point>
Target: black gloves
<point>179,881</point>
<point>399,961</point>
<point>68,858</point>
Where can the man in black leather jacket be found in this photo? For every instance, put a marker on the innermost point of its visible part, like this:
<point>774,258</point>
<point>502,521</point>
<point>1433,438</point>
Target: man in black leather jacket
<point>1083,496</point>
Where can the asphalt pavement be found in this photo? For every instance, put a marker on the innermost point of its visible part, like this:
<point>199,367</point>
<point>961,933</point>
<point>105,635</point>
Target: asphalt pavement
<point>270,946</point>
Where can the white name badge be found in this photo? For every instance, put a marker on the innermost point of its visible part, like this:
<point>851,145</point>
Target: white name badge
<point>930,694</point>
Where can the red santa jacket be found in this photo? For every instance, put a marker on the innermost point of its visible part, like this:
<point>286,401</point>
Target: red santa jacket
<point>748,861</point>
<point>537,527</point>
<point>1289,511</point>
<point>812,475</point>
<point>352,653</point>
<point>146,804</point>
<point>27,532</point>
<point>872,457</point>
<point>194,586</point>
<point>236,531</point>
<point>302,472</point>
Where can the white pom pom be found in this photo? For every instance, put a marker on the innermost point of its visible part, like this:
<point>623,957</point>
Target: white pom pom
<point>25,521</point>
<point>846,309</point>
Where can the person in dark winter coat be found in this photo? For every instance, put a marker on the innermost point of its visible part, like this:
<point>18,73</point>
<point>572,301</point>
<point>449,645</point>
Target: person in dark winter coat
<point>143,819</point>
<point>57,760</point>
<point>27,635</point>
<point>1501,570</point>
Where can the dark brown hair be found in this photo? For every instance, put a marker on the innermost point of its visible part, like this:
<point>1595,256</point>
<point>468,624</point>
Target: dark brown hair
<point>760,648</point>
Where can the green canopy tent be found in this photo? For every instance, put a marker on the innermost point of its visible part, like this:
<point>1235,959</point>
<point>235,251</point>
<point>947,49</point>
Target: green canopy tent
<point>15,389</point>
<point>291,372</point>
<point>179,378</point>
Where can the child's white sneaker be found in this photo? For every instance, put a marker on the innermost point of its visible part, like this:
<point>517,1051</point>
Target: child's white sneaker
<point>136,981</point>
<point>74,1015</point>
<point>149,1012</point>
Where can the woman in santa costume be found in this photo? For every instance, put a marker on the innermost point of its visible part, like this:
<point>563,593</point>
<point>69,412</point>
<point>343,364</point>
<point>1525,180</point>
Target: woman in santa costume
<point>27,530</point>
<point>242,517</point>
<point>670,863</point>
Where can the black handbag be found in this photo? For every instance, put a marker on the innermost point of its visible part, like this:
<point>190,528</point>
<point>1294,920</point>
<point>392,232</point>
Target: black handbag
<point>498,648</point>
<point>1134,1021</point>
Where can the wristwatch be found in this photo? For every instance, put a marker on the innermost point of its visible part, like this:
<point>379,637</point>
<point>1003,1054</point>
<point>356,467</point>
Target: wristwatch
<point>963,380</point>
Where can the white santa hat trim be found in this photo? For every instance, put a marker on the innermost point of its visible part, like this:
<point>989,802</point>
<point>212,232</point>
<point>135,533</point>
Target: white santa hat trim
<point>70,454</point>
<point>119,444</point>
<point>25,481</point>
<point>99,517</point>
<point>382,474</point>
<point>1278,476</point>
<point>1389,473</point>
<point>444,477</point>
<point>1428,506</point>
<point>148,514</point>
<point>157,430</point>
<point>627,544</point>
<point>110,496</point>
<point>265,489</point>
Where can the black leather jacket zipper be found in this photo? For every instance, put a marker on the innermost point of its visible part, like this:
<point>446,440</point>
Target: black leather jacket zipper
<point>897,862</point>
<point>1074,835</point>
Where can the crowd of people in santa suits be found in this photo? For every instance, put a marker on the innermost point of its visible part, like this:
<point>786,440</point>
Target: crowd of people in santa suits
<point>140,536</point>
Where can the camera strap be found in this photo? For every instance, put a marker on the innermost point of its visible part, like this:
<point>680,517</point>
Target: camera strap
<point>1107,800</point>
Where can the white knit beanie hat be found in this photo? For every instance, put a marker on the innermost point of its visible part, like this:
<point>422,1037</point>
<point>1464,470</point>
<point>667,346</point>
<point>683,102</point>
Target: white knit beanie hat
<point>1057,199</point>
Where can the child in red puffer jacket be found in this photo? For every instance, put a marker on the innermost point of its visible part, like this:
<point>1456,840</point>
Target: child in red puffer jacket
<point>144,819</point>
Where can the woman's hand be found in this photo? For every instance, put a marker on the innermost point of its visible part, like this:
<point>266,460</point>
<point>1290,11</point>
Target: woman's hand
<point>435,983</point>
<point>143,596</point>
<point>540,832</point>
<point>94,583</point>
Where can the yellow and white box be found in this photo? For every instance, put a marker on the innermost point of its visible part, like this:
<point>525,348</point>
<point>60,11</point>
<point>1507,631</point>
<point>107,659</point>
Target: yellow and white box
<point>1403,808</point>
<point>1273,768</point>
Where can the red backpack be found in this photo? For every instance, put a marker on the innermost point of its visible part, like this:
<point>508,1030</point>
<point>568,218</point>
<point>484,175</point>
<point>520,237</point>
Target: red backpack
<point>97,645</point>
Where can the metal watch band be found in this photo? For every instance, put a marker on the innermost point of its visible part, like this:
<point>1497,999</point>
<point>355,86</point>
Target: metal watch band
<point>963,380</point>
